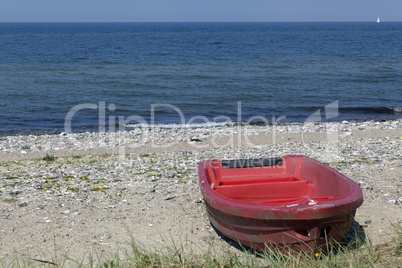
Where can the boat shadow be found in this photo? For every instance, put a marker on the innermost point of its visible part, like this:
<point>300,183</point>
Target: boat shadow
<point>353,239</point>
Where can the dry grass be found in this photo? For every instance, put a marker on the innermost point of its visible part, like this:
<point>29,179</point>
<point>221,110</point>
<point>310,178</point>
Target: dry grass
<point>184,255</point>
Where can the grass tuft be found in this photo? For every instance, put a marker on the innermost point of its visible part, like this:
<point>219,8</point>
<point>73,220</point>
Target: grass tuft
<point>185,254</point>
<point>49,158</point>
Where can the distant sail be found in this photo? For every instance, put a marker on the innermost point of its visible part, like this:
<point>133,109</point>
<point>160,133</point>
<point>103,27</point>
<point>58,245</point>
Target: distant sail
<point>378,20</point>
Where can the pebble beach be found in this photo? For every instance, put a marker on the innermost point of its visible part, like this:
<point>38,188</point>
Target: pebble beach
<point>75,193</point>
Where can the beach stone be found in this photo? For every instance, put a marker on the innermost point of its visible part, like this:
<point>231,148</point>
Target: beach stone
<point>23,204</point>
<point>169,197</point>
<point>105,236</point>
<point>137,131</point>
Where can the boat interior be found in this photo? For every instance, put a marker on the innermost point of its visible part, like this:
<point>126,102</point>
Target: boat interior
<point>294,179</point>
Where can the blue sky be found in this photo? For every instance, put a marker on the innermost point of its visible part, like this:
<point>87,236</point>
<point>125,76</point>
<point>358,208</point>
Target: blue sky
<point>198,10</point>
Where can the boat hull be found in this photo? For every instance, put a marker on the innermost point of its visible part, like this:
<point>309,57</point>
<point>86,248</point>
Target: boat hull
<point>294,214</point>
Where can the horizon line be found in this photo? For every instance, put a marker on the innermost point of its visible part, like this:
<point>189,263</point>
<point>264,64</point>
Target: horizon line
<point>370,21</point>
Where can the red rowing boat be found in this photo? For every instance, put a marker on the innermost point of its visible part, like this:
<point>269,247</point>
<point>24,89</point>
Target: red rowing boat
<point>293,202</point>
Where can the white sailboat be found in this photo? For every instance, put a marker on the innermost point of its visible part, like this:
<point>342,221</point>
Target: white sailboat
<point>378,20</point>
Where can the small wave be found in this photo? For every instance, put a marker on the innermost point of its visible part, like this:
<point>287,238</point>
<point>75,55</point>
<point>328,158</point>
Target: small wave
<point>216,43</point>
<point>372,110</point>
<point>397,110</point>
<point>388,110</point>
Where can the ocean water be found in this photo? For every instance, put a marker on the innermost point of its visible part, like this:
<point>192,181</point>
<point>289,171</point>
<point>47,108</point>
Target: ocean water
<point>91,74</point>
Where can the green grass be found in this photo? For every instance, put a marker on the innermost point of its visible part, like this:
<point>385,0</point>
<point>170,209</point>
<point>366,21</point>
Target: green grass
<point>185,254</point>
<point>10,178</point>
<point>49,158</point>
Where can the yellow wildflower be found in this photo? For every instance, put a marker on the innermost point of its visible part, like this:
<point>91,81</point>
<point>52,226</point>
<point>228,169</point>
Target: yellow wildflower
<point>100,188</point>
<point>69,178</point>
<point>45,189</point>
<point>55,184</point>
<point>83,178</point>
<point>71,187</point>
<point>154,174</point>
<point>103,181</point>
<point>317,254</point>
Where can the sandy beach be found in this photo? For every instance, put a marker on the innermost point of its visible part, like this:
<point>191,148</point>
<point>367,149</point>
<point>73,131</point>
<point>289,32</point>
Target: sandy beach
<point>76,193</point>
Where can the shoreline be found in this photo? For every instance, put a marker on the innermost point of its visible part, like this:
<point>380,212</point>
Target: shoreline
<point>117,127</point>
<point>145,140</point>
<point>87,195</point>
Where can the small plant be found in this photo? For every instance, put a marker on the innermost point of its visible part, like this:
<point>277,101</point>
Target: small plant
<point>97,189</point>
<point>49,158</point>
<point>72,189</point>
<point>10,178</point>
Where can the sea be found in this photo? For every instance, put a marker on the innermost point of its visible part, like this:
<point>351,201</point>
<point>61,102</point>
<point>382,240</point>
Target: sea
<point>96,76</point>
